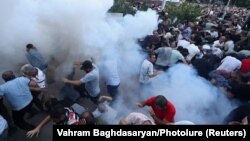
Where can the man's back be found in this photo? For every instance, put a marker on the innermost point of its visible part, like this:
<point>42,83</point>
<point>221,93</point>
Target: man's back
<point>164,54</point>
<point>146,70</point>
<point>17,92</point>
<point>111,75</point>
<point>35,59</point>
<point>91,81</point>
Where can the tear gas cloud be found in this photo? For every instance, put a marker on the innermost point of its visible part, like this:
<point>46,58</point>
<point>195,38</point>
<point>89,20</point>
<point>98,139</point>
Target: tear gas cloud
<point>195,98</point>
<point>78,29</point>
<point>69,30</point>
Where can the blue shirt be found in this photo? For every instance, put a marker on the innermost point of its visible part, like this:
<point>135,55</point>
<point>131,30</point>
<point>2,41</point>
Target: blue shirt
<point>17,93</point>
<point>35,59</point>
<point>3,125</point>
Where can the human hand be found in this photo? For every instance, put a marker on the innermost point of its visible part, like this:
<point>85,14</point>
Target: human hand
<point>32,133</point>
<point>139,105</point>
<point>65,80</point>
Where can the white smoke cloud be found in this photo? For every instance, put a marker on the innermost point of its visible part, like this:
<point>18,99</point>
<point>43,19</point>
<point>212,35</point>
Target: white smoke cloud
<point>67,29</point>
<point>195,98</point>
<point>75,29</point>
<point>70,29</point>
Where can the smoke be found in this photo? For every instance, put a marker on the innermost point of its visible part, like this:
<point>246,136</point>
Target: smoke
<point>78,29</point>
<point>69,30</point>
<point>194,98</point>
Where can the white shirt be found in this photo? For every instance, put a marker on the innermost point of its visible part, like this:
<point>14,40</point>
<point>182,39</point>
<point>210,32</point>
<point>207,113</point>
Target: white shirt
<point>40,78</point>
<point>175,57</point>
<point>179,37</point>
<point>147,69</point>
<point>229,45</point>
<point>214,34</point>
<point>217,51</point>
<point>206,47</point>
<point>218,44</point>
<point>192,50</point>
<point>110,73</point>
<point>244,52</point>
<point>211,12</point>
<point>164,54</point>
<point>91,81</point>
<point>183,43</point>
<point>168,35</point>
<point>229,64</point>
<point>238,29</point>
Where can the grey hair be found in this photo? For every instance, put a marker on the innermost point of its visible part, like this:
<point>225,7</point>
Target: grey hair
<point>27,68</point>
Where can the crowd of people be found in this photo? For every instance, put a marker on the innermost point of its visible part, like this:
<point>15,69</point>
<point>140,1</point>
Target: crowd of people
<point>217,45</point>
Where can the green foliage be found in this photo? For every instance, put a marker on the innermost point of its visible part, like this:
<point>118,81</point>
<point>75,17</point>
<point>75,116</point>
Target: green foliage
<point>126,6</point>
<point>121,6</point>
<point>241,3</point>
<point>184,11</point>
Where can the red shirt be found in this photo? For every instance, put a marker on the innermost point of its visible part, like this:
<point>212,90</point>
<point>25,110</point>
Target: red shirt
<point>245,66</point>
<point>167,113</point>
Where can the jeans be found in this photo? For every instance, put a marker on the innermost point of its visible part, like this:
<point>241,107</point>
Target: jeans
<point>113,90</point>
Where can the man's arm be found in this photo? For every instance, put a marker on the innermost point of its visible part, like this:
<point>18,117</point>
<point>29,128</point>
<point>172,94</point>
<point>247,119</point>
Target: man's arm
<point>73,82</point>
<point>36,131</point>
<point>157,120</point>
<point>38,89</point>
<point>155,73</point>
<point>141,104</point>
<point>104,98</point>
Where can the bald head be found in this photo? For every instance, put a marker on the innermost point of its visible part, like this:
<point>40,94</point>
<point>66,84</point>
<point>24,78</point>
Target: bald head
<point>222,39</point>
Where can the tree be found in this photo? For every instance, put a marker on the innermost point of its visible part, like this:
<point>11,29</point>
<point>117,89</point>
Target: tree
<point>184,11</point>
<point>128,6</point>
<point>121,6</point>
<point>241,3</point>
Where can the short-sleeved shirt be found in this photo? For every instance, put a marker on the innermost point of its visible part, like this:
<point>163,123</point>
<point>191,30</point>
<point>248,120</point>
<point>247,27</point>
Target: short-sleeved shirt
<point>167,113</point>
<point>218,44</point>
<point>245,67</point>
<point>230,64</point>
<point>175,57</point>
<point>35,59</point>
<point>147,69</point>
<point>164,54</point>
<point>40,78</point>
<point>183,43</point>
<point>17,93</point>
<point>110,72</point>
<point>192,50</point>
<point>91,81</point>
